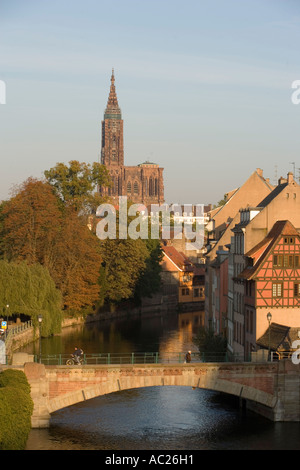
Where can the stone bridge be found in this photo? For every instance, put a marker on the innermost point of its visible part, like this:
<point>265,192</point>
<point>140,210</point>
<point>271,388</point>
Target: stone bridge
<point>271,389</point>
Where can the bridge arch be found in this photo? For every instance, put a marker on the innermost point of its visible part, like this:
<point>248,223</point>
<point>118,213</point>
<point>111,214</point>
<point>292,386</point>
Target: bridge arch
<point>56,387</point>
<point>74,391</point>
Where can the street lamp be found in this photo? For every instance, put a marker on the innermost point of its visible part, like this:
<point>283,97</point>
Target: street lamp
<point>269,318</point>
<point>6,332</point>
<point>40,319</point>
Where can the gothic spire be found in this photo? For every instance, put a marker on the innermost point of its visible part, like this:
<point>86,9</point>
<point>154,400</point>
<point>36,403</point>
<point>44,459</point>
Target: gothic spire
<point>112,103</point>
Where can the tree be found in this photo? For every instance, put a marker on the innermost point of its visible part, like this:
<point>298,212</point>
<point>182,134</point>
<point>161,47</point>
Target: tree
<point>30,290</point>
<point>38,228</point>
<point>131,267</point>
<point>77,263</point>
<point>76,184</point>
<point>30,223</point>
<point>149,281</point>
<point>124,261</point>
<point>213,346</point>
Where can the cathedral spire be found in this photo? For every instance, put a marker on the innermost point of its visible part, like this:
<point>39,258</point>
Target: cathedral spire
<point>112,103</point>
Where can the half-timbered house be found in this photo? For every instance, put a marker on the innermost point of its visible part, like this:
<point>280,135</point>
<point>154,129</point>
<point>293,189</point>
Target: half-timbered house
<point>272,282</point>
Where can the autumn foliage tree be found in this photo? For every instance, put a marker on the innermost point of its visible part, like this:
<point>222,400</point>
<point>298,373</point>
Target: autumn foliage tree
<point>38,228</point>
<point>77,265</point>
<point>31,222</point>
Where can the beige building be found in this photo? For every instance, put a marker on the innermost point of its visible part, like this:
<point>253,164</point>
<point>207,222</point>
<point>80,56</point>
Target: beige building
<point>222,220</point>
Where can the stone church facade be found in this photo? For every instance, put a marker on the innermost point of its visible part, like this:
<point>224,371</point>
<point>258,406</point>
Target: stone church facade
<point>142,184</point>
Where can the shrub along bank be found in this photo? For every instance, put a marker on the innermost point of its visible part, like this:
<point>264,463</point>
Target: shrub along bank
<point>16,408</point>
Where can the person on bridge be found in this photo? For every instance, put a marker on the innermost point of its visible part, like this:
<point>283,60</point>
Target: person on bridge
<point>188,356</point>
<point>77,354</point>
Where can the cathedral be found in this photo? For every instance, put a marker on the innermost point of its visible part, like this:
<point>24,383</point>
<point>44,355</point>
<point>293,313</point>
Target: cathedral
<point>142,184</point>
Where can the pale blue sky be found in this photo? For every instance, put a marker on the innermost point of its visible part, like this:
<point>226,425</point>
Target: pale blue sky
<point>204,88</point>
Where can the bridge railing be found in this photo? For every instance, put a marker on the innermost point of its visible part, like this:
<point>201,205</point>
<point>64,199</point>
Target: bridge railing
<point>140,358</point>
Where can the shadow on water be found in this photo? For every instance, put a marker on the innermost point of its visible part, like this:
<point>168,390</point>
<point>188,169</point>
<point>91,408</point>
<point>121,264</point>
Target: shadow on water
<point>164,418</point>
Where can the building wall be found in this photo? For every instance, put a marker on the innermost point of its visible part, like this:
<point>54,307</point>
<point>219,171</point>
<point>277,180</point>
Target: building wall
<point>285,206</point>
<point>252,192</point>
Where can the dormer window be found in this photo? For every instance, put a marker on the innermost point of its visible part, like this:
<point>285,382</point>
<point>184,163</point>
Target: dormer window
<point>289,240</point>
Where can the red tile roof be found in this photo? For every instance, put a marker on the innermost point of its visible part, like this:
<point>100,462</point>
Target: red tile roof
<point>259,252</point>
<point>178,258</point>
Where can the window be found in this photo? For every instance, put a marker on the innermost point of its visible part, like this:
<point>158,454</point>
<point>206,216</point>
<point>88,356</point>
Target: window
<point>185,291</point>
<point>296,263</point>
<point>277,289</point>
<point>196,292</point>
<point>277,261</point>
<point>289,240</point>
<point>129,187</point>
<point>135,188</point>
<point>288,261</point>
<point>297,289</point>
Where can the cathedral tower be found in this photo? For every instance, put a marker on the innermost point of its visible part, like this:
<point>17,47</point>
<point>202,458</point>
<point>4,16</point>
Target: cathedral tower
<point>142,184</point>
<point>112,148</point>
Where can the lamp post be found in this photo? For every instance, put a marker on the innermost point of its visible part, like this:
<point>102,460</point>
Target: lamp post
<point>40,319</point>
<point>6,332</point>
<point>269,318</point>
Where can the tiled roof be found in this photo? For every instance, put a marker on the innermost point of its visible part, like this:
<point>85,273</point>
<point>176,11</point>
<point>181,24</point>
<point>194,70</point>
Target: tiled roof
<point>272,195</point>
<point>259,252</point>
<point>281,337</point>
<point>178,258</point>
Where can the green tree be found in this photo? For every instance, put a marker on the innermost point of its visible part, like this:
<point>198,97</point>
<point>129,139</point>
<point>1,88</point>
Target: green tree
<point>214,346</point>
<point>131,267</point>
<point>124,261</point>
<point>77,183</point>
<point>149,281</point>
<point>30,290</point>
<point>16,407</point>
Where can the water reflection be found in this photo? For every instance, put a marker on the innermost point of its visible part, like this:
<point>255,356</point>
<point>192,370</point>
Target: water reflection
<point>170,333</point>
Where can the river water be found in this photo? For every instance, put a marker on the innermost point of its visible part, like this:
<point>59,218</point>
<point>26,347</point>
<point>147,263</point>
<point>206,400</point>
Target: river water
<point>154,418</point>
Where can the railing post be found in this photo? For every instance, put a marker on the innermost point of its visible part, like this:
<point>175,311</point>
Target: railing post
<point>108,358</point>
<point>132,358</point>
<point>156,358</point>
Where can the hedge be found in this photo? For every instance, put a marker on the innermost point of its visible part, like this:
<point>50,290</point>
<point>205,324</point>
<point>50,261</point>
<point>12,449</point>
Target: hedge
<point>16,407</point>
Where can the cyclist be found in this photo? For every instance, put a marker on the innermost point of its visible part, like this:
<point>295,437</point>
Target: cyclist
<point>77,354</point>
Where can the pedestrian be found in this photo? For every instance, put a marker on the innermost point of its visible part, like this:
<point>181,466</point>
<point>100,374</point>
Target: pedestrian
<point>188,356</point>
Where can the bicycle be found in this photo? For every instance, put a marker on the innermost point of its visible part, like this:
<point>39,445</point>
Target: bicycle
<point>73,362</point>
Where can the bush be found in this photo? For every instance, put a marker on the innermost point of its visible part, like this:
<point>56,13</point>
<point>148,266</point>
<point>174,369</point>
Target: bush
<point>16,408</point>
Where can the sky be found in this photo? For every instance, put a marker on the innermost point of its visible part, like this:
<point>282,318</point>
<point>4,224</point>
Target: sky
<point>204,87</point>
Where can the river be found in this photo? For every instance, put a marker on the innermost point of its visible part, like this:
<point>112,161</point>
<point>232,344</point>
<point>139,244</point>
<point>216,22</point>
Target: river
<point>163,418</point>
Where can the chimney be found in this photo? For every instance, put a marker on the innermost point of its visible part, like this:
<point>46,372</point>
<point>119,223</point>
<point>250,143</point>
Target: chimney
<point>282,180</point>
<point>290,177</point>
